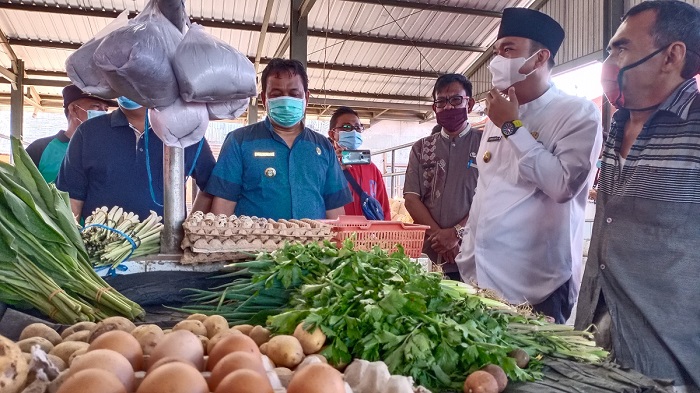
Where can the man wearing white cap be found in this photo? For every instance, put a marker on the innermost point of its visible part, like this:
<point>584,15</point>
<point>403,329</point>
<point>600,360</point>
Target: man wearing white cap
<point>524,236</point>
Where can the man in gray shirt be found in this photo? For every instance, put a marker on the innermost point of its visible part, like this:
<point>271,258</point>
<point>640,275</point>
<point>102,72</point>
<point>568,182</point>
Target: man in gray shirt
<point>441,175</point>
<point>643,260</point>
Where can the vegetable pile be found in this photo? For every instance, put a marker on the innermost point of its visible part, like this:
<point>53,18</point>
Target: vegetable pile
<point>112,235</point>
<point>378,307</point>
<point>43,262</point>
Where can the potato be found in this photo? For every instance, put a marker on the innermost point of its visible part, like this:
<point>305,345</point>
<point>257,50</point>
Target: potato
<point>27,344</point>
<point>195,327</point>
<point>263,349</point>
<point>214,340</point>
<point>13,367</point>
<point>109,324</point>
<point>284,374</point>
<point>64,350</point>
<point>311,342</point>
<point>285,351</point>
<point>260,335</point>
<point>40,330</point>
<point>83,335</point>
<point>205,343</point>
<point>78,327</point>
<point>76,354</point>
<point>56,383</point>
<point>148,336</point>
<point>197,317</point>
<point>480,382</point>
<point>215,324</point>
<point>245,329</point>
<point>58,362</point>
<point>498,374</point>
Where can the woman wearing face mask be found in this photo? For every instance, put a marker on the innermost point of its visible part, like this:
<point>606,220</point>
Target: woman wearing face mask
<point>345,131</point>
<point>278,168</point>
<point>47,153</point>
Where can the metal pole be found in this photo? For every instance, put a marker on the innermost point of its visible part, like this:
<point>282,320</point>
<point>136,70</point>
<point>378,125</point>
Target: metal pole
<point>17,101</point>
<point>173,199</point>
<point>298,32</point>
<point>393,178</point>
<point>253,111</point>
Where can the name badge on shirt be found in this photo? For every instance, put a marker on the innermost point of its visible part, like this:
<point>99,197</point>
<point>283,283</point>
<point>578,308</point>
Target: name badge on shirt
<point>264,154</point>
<point>534,134</point>
<point>493,139</point>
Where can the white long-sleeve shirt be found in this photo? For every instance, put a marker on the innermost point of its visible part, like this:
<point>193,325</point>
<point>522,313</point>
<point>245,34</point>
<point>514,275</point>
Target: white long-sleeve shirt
<point>524,236</point>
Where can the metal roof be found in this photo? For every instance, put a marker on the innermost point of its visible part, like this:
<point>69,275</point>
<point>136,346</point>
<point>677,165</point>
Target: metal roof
<point>366,51</point>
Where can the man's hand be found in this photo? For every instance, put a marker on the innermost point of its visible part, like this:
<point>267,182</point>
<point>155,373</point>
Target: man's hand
<point>501,109</point>
<point>450,255</point>
<point>444,240</point>
<point>339,153</point>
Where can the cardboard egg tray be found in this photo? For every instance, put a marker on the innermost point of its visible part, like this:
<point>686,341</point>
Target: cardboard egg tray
<point>209,233</point>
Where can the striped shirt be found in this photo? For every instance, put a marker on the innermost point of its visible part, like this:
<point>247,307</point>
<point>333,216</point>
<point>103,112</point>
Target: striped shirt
<point>646,236</point>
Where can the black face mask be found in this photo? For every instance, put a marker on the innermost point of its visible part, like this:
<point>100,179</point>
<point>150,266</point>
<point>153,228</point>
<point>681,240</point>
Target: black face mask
<point>613,91</point>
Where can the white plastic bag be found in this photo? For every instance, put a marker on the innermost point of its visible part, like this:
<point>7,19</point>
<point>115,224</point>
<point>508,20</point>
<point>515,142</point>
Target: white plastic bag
<point>227,110</point>
<point>136,58</point>
<point>81,67</point>
<point>208,69</point>
<point>181,124</point>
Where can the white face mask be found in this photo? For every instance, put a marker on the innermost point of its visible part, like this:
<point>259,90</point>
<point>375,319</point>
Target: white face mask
<point>506,72</point>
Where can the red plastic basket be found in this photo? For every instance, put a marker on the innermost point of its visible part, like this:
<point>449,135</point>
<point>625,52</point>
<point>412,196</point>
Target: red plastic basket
<point>385,234</point>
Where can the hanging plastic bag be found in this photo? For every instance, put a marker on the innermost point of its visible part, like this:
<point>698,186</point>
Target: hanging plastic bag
<point>208,69</point>
<point>81,67</point>
<point>181,124</point>
<point>227,110</point>
<point>174,10</point>
<point>135,59</point>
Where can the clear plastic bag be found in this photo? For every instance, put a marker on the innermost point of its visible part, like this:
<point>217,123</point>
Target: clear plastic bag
<point>209,70</point>
<point>136,59</point>
<point>227,110</point>
<point>181,124</point>
<point>81,67</point>
<point>174,10</point>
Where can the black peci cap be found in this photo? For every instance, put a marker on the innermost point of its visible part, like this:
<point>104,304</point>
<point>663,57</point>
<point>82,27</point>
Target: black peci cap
<point>73,93</point>
<point>535,25</point>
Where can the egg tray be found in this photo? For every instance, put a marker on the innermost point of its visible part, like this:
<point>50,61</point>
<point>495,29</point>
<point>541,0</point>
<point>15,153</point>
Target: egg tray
<point>190,257</point>
<point>208,233</point>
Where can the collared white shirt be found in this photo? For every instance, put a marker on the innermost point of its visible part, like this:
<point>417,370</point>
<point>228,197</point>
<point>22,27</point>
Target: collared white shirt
<point>524,236</point>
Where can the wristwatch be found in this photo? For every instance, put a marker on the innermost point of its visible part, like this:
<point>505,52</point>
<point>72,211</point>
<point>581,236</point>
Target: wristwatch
<point>460,231</point>
<point>508,128</point>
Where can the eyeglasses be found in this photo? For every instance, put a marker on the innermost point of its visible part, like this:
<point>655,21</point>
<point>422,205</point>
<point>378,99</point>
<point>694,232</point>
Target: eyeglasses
<point>349,127</point>
<point>454,101</point>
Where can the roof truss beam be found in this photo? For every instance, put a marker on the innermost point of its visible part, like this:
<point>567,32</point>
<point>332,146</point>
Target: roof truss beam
<point>256,27</point>
<point>432,7</point>
<point>311,64</point>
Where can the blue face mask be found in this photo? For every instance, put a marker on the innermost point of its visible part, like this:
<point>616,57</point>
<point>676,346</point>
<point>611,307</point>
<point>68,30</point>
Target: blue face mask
<point>350,139</point>
<point>286,111</point>
<point>128,104</point>
<point>94,113</point>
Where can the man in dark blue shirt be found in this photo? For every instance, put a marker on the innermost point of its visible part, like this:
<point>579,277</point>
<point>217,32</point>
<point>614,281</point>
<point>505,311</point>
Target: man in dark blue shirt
<point>109,159</point>
<point>278,168</point>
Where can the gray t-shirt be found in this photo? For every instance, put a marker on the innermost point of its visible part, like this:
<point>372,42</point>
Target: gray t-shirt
<point>442,171</point>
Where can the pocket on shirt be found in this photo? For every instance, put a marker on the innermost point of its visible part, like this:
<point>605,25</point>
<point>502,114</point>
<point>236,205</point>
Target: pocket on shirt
<point>660,215</point>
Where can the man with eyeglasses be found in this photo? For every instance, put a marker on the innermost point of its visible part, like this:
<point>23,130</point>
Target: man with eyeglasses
<point>442,172</point>
<point>345,131</point>
<point>524,238</point>
<point>47,153</point>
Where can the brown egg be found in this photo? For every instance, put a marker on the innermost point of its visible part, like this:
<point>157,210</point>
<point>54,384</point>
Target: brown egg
<point>166,360</point>
<point>230,344</point>
<point>220,336</point>
<point>177,377</point>
<point>232,362</point>
<point>122,342</point>
<point>108,360</point>
<point>244,381</point>
<point>92,381</point>
<point>181,344</point>
<point>317,378</point>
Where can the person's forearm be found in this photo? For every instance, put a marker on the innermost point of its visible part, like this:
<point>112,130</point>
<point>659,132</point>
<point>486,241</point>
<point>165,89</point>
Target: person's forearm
<point>420,213</point>
<point>76,206</point>
<point>335,213</point>
<point>202,202</point>
<point>222,206</point>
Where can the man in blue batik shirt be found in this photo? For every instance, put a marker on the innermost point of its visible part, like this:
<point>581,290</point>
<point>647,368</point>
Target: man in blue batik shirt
<point>277,168</point>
